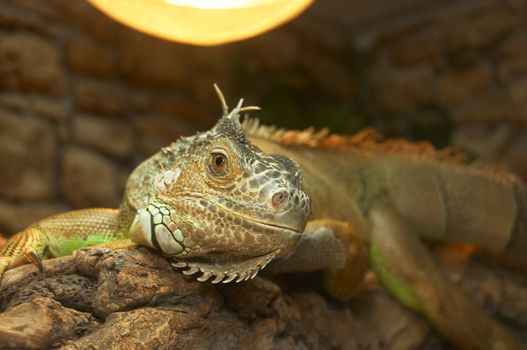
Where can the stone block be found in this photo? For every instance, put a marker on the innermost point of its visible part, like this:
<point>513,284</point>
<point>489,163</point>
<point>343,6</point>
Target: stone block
<point>110,136</point>
<point>30,64</point>
<point>99,97</point>
<point>423,46</point>
<point>170,66</point>
<point>516,153</point>
<point>174,105</point>
<point>285,48</point>
<point>50,109</point>
<point>14,18</point>
<point>329,74</point>
<point>459,84</point>
<point>27,156</point>
<point>14,101</point>
<point>512,56</point>
<point>88,179</point>
<point>481,26</point>
<point>87,56</point>
<point>401,90</point>
<point>518,91</point>
<point>16,217</point>
<point>156,131</point>
<point>492,106</point>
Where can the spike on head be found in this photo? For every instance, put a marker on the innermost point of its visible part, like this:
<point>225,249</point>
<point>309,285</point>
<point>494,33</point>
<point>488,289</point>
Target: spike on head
<point>224,106</point>
<point>234,114</point>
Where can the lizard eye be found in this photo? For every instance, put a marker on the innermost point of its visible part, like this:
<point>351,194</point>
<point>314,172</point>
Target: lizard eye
<point>218,163</point>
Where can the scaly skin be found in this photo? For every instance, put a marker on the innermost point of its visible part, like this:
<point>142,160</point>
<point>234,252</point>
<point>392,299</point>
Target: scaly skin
<point>212,203</point>
<point>222,208</point>
<point>392,192</point>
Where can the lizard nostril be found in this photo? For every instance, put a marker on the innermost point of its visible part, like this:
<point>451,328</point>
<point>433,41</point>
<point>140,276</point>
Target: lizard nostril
<point>279,198</point>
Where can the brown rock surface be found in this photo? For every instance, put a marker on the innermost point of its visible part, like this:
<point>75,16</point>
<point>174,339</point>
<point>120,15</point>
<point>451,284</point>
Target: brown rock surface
<point>16,217</point>
<point>110,136</point>
<point>26,157</point>
<point>90,57</point>
<point>140,302</point>
<point>88,179</point>
<point>170,66</point>
<point>13,101</point>
<point>459,84</point>
<point>42,323</point>
<point>99,97</point>
<point>53,110</point>
<point>30,64</point>
<point>155,131</point>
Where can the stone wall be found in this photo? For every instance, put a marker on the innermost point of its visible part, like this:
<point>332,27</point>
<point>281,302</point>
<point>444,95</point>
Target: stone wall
<point>84,99</point>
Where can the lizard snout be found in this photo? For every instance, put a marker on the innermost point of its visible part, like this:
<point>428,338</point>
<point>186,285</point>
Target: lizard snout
<point>290,206</point>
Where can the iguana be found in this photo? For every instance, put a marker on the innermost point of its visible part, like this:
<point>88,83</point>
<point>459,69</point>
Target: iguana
<point>225,203</point>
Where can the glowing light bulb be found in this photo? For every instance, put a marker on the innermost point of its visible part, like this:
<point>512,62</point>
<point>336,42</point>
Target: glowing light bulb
<point>202,22</point>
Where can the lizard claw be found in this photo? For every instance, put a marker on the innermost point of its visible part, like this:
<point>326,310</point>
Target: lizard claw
<point>35,259</point>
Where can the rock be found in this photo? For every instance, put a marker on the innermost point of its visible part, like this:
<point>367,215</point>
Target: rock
<point>285,46</point>
<point>518,91</point>
<point>491,106</point>
<point>14,18</point>
<point>512,56</point>
<point>155,328</point>
<point>100,97</point>
<point>88,180</point>
<point>402,90</point>
<point>156,131</point>
<point>71,290</point>
<point>141,302</point>
<point>321,67</point>
<point>514,155</point>
<point>110,136</point>
<point>424,46</point>
<point>481,25</point>
<point>16,217</point>
<point>42,323</point>
<point>87,56</point>
<point>126,280</point>
<point>30,64</point>
<point>459,84</point>
<point>169,67</point>
<point>53,110</point>
<point>14,101</point>
<point>27,158</point>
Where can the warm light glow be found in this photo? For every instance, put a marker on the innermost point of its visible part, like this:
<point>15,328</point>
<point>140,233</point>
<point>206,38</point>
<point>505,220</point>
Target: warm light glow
<point>202,22</point>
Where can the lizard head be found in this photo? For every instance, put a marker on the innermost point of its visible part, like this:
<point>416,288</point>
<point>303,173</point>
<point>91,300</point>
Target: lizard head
<point>220,206</point>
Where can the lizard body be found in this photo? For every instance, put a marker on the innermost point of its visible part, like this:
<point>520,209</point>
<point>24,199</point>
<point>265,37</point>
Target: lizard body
<point>225,203</point>
<point>394,191</point>
<point>442,197</point>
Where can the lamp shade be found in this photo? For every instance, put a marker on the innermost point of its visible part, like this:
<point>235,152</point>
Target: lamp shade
<point>202,22</point>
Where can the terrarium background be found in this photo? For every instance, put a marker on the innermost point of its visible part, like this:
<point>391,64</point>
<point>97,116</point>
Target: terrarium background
<point>84,99</point>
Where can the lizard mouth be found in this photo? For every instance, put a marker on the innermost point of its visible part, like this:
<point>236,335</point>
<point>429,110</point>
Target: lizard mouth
<point>153,227</point>
<point>261,223</point>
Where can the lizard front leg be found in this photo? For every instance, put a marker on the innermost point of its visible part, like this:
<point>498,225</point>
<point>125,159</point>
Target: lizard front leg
<point>25,247</point>
<point>60,235</point>
<point>406,269</point>
<point>334,247</point>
